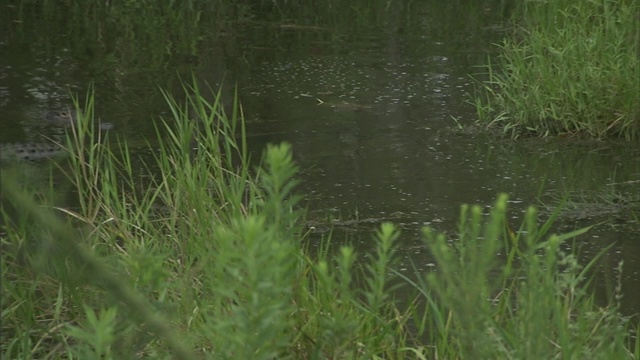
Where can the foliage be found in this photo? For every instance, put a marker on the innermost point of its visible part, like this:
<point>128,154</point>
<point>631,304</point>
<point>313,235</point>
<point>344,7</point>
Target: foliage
<point>199,256</point>
<point>506,295</point>
<point>196,255</point>
<point>570,68</point>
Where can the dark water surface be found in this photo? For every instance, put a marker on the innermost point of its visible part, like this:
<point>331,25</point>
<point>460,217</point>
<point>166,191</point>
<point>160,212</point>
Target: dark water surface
<point>374,118</point>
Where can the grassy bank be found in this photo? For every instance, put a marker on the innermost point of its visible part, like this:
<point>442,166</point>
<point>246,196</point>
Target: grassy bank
<point>202,256</point>
<point>569,68</point>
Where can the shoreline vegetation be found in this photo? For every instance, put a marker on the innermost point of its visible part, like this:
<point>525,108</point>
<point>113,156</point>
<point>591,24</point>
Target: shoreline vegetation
<point>194,252</point>
<point>201,256</point>
<point>570,68</point>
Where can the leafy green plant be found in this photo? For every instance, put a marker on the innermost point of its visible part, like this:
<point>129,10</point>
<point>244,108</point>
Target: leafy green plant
<point>194,243</point>
<point>192,253</point>
<point>494,295</point>
<point>571,68</point>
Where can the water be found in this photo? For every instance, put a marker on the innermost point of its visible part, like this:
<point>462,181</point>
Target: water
<point>374,118</point>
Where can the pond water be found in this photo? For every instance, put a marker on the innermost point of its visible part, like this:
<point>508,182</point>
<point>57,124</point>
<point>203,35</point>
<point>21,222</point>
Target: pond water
<point>376,119</point>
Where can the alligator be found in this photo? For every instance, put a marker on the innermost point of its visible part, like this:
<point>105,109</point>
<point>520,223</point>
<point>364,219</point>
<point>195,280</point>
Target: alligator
<point>43,150</point>
<point>68,118</point>
<point>30,151</point>
<point>61,117</point>
<point>345,106</point>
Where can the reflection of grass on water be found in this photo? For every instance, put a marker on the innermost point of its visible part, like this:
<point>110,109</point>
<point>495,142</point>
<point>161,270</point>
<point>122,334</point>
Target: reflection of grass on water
<point>617,209</point>
<point>222,272</point>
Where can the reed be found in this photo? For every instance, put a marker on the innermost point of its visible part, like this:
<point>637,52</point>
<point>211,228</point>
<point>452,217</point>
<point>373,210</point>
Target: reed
<point>197,254</point>
<point>570,68</point>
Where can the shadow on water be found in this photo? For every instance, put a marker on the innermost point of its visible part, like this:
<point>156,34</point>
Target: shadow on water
<point>374,103</point>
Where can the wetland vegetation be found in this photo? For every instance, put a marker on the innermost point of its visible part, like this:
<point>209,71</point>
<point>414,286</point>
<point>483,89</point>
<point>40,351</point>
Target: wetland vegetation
<point>569,68</point>
<point>201,248</point>
<point>223,271</point>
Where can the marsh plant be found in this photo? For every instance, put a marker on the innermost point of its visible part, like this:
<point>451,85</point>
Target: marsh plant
<point>201,255</point>
<point>502,294</point>
<point>570,67</point>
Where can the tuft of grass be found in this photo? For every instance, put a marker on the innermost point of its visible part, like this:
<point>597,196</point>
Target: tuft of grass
<point>570,68</point>
<point>495,295</point>
<point>199,255</point>
<point>195,255</point>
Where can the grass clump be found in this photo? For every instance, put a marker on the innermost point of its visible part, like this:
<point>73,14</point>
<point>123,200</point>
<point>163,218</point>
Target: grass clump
<point>200,256</point>
<point>195,256</point>
<point>571,67</point>
<point>499,294</point>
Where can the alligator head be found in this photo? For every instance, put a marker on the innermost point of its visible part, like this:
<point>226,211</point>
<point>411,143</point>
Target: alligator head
<point>61,117</point>
<point>68,118</point>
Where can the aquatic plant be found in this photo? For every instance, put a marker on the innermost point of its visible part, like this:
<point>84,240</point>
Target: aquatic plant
<point>195,256</point>
<point>496,295</point>
<point>570,68</point>
<point>198,254</point>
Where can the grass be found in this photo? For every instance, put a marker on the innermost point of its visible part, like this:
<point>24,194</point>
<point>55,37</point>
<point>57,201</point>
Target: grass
<point>201,255</point>
<point>570,68</point>
<point>528,302</point>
